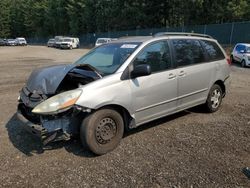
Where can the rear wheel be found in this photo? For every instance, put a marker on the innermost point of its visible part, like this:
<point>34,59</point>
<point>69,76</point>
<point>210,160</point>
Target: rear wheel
<point>214,98</point>
<point>102,131</point>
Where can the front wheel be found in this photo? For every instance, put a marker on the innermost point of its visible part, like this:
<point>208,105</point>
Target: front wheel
<point>232,59</point>
<point>102,131</point>
<point>214,98</point>
<point>243,63</point>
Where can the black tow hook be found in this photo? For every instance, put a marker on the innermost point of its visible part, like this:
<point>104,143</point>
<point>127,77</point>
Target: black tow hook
<point>49,138</point>
<point>246,171</point>
<point>56,135</point>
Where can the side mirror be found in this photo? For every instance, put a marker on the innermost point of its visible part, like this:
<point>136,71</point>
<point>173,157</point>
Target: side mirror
<point>141,70</point>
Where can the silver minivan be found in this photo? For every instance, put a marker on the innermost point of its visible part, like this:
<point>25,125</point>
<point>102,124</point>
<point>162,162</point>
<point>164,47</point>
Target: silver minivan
<point>122,85</point>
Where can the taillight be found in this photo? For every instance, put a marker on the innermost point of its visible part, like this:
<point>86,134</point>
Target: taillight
<point>229,61</point>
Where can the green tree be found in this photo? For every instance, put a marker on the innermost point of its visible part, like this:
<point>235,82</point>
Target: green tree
<point>5,29</point>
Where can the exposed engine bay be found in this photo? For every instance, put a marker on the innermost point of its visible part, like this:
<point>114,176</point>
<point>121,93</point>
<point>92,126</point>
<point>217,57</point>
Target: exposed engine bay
<point>47,82</point>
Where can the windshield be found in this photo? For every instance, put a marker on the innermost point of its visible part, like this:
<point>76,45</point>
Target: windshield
<point>67,40</point>
<point>106,59</point>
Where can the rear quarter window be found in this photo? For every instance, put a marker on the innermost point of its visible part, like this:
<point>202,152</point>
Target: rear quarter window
<point>213,51</point>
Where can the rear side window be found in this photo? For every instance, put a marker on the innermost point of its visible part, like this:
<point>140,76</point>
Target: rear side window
<point>188,52</point>
<point>213,50</point>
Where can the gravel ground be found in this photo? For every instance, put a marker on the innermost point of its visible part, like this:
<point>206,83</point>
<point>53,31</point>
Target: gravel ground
<point>189,149</point>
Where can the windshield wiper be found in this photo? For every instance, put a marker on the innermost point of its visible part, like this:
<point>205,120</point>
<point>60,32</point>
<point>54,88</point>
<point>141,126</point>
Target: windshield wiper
<point>99,73</point>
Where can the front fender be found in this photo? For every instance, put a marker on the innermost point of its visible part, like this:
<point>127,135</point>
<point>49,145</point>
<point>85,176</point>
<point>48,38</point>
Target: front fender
<point>117,93</point>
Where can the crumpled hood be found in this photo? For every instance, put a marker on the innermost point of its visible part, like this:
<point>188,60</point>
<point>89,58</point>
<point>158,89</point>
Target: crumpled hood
<point>46,80</point>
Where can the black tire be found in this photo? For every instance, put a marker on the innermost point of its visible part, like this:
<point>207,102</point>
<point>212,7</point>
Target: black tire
<point>243,63</point>
<point>102,131</point>
<point>213,102</point>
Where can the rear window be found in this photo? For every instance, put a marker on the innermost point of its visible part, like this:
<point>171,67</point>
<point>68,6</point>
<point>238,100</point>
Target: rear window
<point>213,50</point>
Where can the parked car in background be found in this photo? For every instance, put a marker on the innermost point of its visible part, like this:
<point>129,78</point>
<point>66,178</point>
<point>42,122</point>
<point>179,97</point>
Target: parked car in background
<point>58,40</point>
<point>51,43</point>
<point>122,85</point>
<point>101,41</point>
<point>70,43</point>
<point>241,54</point>
<point>20,41</point>
<point>2,42</point>
<point>11,42</point>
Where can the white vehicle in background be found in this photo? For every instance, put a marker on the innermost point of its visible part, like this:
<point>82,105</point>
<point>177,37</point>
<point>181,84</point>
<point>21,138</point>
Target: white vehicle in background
<point>58,40</point>
<point>20,41</point>
<point>241,54</point>
<point>51,43</point>
<point>70,43</point>
<point>11,42</point>
<point>101,41</point>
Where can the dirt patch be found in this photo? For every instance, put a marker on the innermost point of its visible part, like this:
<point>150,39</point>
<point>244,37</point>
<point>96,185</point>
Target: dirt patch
<point>189,149</point>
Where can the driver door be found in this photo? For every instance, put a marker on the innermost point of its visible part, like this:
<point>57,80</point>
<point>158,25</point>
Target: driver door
<point>155,95</point>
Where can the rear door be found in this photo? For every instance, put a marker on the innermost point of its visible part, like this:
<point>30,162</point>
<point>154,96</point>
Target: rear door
<point>194,75</point>
<point>155,95</point>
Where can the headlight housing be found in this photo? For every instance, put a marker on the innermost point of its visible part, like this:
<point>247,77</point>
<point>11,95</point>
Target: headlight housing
<point>58,103</point>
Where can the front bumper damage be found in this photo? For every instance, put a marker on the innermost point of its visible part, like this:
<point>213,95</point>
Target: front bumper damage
<point>52,128</point>
<point>44,83</point>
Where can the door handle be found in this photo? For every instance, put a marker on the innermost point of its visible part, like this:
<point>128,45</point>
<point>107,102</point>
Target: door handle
<point>171,76</point>
<point>182,73</point>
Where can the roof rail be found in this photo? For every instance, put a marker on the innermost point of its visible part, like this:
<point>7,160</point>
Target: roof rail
<point>181,34</point>
<point>131,36</point>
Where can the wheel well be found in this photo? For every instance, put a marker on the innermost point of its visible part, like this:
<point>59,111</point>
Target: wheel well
<point>222,85</point>
<point>127,119</point>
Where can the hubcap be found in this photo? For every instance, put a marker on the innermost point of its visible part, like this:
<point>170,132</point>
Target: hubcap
<point>215,99</point>
<point>106,130</point>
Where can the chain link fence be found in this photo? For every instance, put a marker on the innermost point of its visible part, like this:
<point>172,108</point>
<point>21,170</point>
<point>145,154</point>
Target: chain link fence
<point>226,34</point>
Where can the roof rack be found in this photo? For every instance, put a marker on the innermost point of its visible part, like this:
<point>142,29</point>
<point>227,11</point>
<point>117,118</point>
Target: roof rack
<point>132,36</point>
<point>181,34</point>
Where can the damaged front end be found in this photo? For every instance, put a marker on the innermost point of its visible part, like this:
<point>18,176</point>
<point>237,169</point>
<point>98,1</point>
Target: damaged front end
<point>50,87</point>
<point>51,127</point>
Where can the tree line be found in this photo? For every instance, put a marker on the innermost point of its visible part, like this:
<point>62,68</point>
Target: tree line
<point>43,18</point>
